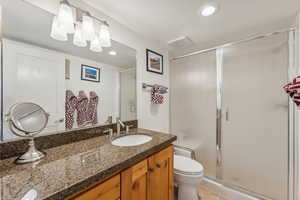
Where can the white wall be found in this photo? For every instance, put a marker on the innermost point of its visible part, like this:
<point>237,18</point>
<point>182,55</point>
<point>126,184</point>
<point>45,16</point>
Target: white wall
<point>150,117</point>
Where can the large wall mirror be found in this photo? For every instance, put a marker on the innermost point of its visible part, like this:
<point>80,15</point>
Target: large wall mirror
<point>51,73</point>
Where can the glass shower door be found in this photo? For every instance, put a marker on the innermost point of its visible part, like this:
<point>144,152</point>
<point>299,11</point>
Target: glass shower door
<point>193,106</point>
<point>255,116</point>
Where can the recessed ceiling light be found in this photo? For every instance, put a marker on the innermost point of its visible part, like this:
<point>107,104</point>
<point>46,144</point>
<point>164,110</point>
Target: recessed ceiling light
<point>208,9</point>
<point>112,53</point>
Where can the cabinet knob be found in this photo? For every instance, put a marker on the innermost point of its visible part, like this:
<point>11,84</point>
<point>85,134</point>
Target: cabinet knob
<point>135,185</point>
<point>151,169</point>
<point>158,165</point>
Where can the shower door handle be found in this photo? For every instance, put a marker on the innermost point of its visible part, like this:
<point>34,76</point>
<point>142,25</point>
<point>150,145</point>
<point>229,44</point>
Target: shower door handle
<point>219,138</point>
<point>227,114</point>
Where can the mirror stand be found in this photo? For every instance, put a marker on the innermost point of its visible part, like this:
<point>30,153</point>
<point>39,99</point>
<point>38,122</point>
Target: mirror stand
<point>27,120</point>
<point>31,155</point>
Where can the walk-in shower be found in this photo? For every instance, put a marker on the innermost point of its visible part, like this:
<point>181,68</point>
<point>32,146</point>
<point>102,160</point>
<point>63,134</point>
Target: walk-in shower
<point>227,104</point>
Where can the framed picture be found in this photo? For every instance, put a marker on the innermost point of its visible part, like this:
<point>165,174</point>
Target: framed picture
<point>89,73</point>
<point>154,62</point>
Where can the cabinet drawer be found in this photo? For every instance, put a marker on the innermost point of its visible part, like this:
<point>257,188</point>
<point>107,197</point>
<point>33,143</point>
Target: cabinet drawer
<point>139,170</point>
<point>109,190</point>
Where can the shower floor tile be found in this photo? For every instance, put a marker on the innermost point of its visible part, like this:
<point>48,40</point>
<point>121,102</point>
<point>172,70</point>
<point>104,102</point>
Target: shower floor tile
<point>206,194</point>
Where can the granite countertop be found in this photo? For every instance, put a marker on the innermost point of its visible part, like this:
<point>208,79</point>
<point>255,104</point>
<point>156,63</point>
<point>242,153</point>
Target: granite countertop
<point>70,168</point>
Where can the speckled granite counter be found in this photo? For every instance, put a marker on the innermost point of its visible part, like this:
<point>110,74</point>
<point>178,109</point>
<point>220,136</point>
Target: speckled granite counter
<point>73,167</point>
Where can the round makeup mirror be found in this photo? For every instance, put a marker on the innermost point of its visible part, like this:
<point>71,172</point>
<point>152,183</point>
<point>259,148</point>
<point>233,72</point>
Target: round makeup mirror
<point>27,120</point>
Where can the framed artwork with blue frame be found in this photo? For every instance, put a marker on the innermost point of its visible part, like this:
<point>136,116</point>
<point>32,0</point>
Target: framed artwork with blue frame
<point>154,62</point>
<point>89,73</point>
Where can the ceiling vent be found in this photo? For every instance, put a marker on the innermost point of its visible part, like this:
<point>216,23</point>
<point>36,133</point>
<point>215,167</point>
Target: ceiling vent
<point>181,42</point>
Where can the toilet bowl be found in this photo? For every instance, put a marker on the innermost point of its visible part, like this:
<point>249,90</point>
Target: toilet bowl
<point>188,174</point>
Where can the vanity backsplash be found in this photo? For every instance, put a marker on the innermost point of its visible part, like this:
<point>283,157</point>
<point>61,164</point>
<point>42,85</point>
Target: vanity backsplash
<point>18,147</point>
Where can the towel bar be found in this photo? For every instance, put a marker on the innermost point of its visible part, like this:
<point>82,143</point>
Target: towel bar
<point>162,89</point>
<point>145,85</point>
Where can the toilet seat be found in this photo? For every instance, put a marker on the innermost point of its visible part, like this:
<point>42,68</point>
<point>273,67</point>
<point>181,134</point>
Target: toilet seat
<point>188,174</point>
<point>187,166</point>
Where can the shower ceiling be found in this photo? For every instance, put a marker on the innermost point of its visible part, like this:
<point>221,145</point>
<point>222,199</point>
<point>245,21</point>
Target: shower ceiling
<point>169,19</point>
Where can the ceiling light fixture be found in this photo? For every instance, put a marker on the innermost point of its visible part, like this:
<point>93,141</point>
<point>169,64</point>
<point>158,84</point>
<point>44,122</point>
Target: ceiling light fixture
<point>208,9</point>
<point>57,31</point>
<point>84,27</point>
<point>104,36</point>
<point>95,45</point>
<point>65,17</point>
<point>78,39</point>
<point>88,27</point>
<point>112,53</point>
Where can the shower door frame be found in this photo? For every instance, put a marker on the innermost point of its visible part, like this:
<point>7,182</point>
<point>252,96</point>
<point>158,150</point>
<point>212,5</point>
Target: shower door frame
<point>293,146</point>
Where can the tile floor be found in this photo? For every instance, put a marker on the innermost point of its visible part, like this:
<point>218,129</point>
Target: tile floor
<point>206,194</point>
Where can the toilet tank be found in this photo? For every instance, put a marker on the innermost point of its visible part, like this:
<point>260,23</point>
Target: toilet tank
<point>184,151</point>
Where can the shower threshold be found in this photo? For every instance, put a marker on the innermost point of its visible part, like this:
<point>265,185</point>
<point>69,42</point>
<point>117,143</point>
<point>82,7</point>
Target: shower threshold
<point>230,192</point>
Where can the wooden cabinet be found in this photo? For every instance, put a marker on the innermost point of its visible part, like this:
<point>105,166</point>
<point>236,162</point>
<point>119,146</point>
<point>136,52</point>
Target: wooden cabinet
<point>150,179</point>
<point>109,190</point>
<point>160,176</point>
<point>134,182</point>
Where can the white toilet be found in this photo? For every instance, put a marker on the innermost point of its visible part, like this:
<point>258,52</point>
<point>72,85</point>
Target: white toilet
<point>188,174</point>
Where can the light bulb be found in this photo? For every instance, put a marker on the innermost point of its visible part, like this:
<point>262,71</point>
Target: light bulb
<point>104,36</point>
<point>208,10</point>
<point>78,39</point>
<point>57,32</point>
<point>65,17</point>
<point>88,28</point>
<point>95,45</point>
<point>112,53</point>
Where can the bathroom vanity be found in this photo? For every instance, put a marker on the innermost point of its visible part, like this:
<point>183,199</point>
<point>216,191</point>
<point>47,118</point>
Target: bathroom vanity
<point>151,178</point>
<point>95,169</point>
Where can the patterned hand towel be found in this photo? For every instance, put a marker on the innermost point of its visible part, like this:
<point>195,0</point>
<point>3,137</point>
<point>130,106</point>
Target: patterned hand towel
<point>82,109</point>
<point>92,108</point>
<point>293,90</point>
<point>70,107</point>
<point>156,98</point>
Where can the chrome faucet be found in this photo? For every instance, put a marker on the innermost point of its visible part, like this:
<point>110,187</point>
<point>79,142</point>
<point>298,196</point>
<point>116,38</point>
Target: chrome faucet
<point>110,132</point>
<point>119,124</point>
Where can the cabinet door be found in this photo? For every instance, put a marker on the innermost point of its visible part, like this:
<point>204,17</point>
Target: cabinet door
<point>109,190</point>
<point>160,177</point>
<point>134,182</point>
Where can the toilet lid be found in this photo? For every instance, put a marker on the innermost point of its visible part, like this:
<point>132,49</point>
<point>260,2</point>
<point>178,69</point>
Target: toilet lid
<point>187,165</point>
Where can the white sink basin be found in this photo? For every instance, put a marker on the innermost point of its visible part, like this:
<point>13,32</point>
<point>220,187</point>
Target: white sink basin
<point>131,140</point>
